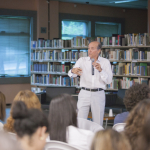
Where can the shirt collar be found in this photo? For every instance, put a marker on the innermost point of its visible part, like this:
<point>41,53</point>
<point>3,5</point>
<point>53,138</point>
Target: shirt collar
<point>99,58</point>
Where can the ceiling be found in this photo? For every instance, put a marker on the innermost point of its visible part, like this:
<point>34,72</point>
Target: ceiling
<point>142,4</point>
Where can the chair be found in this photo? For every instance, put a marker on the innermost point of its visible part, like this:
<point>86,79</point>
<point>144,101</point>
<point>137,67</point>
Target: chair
<point>1,126</point>
<point>88,125</point>
<point>119,127</point>
<point>57,145</point>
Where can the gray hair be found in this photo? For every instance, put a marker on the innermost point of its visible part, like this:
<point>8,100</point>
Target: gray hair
<point>99,46</point>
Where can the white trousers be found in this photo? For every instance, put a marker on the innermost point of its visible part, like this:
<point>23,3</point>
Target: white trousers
<point>97,102</point>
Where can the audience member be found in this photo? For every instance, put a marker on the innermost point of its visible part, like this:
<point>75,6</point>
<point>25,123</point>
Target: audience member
<point>30,99</point>
<point>2,106</point>
<point>135,122</point>
<point>63,123</point>
<point>6,143</point>
<point>31,126</point>
<point>143,142</point>
<point>133,95</point>
<point>110,140</point>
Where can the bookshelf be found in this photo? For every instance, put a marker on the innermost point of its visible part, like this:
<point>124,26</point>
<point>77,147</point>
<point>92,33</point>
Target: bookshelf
<point>52,59</point>
<point>129,64</point>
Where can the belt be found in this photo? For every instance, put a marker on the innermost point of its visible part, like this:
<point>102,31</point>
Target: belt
<point>92,90</point>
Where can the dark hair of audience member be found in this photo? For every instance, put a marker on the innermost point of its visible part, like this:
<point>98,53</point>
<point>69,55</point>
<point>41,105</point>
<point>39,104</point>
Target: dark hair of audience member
<point>135,122</point>
<point>143,142</point>
<point>135,94</point>
<point>110,139</point>
<point>2,106</point>
<point>27,121</point>
<point>62,114</point>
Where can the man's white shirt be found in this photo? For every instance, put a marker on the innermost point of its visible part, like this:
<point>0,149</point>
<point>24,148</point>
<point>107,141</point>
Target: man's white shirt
<point>99,79</point>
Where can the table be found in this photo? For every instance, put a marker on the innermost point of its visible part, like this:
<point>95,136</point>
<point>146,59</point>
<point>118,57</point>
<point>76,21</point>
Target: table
<point>106,118</point>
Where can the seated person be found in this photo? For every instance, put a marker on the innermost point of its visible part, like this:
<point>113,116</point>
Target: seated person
<point>30,99</point>
<point>110,140</point>
<point>2,106</point>
<point>63,123</point>
<point>6,143</point>
<point>135,122</point>
<point>143,142</point>
<point>133,95</point>
<point>31,126</point>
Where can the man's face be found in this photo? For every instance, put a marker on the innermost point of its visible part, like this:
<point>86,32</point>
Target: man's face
<point>93,52</point>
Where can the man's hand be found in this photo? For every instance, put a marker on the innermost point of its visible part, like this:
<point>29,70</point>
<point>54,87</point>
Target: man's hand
<point>77,71</point>
<point>97,66</point>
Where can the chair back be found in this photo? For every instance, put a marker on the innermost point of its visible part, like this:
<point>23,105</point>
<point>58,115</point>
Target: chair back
<point>57,145</point>
<point>1,126</point>
<point>88,125</point>
<point>119,127</point>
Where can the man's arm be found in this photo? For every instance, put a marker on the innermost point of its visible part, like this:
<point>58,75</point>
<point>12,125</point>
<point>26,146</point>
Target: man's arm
<point>106,73</point>
<point>76,70</point>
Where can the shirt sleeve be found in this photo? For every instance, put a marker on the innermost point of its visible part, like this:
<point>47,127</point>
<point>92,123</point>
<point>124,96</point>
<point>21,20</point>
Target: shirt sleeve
<point>106,73</point>
<point>77,65</point>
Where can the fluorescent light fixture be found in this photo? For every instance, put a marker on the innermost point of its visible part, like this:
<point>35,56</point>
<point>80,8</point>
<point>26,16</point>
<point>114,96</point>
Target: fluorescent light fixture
<point>125,1</point>
<point>122,2</point>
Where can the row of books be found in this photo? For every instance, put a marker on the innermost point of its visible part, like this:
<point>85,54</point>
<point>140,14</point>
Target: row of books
<point>132,68</point>
<point>57,55</point>
<point>78,41</point>
<point>50,79</point>
<point>126,82</point>
<point>133,39</point>
<point>51,67</point>
<point>130,54</point>
<point>57,43</point>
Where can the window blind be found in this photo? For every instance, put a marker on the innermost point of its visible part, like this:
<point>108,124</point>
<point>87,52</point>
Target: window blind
<point>106,30</point>
<point>14,46</point>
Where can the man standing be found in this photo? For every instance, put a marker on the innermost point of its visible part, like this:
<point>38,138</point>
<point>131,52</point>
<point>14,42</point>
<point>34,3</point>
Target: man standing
<point>95,72</point>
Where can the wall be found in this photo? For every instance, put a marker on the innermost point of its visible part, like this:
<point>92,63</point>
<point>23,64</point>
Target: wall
<point>10,90</point>
<point>19,4</point>
<point>42,18</point>
<point>135,19</point>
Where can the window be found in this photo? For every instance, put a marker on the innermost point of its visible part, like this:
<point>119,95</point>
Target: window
<point>72,29</point>
<point>14,46</point>
<point>106,29</point>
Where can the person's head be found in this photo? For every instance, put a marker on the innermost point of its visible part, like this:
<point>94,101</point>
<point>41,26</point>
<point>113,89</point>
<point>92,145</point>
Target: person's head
<point>135,94</point>
<point>143,142</point>
<point>7,143</point>
<point>30,99</point>
<point>31,126</point>
<point>136,120</point>
<point>94,49</point>
<point>2,106</point>
<point>62,113</point>
<point>110,140</point>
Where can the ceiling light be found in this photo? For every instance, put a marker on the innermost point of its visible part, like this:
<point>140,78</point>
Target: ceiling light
<point>122,1</point>
<point>125,1</point>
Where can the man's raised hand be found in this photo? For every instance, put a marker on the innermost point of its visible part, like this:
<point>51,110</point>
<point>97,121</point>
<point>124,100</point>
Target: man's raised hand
<point>77,71</point>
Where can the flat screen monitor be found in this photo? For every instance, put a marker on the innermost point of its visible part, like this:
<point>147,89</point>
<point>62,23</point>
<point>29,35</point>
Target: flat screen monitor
<point>52,92</point>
